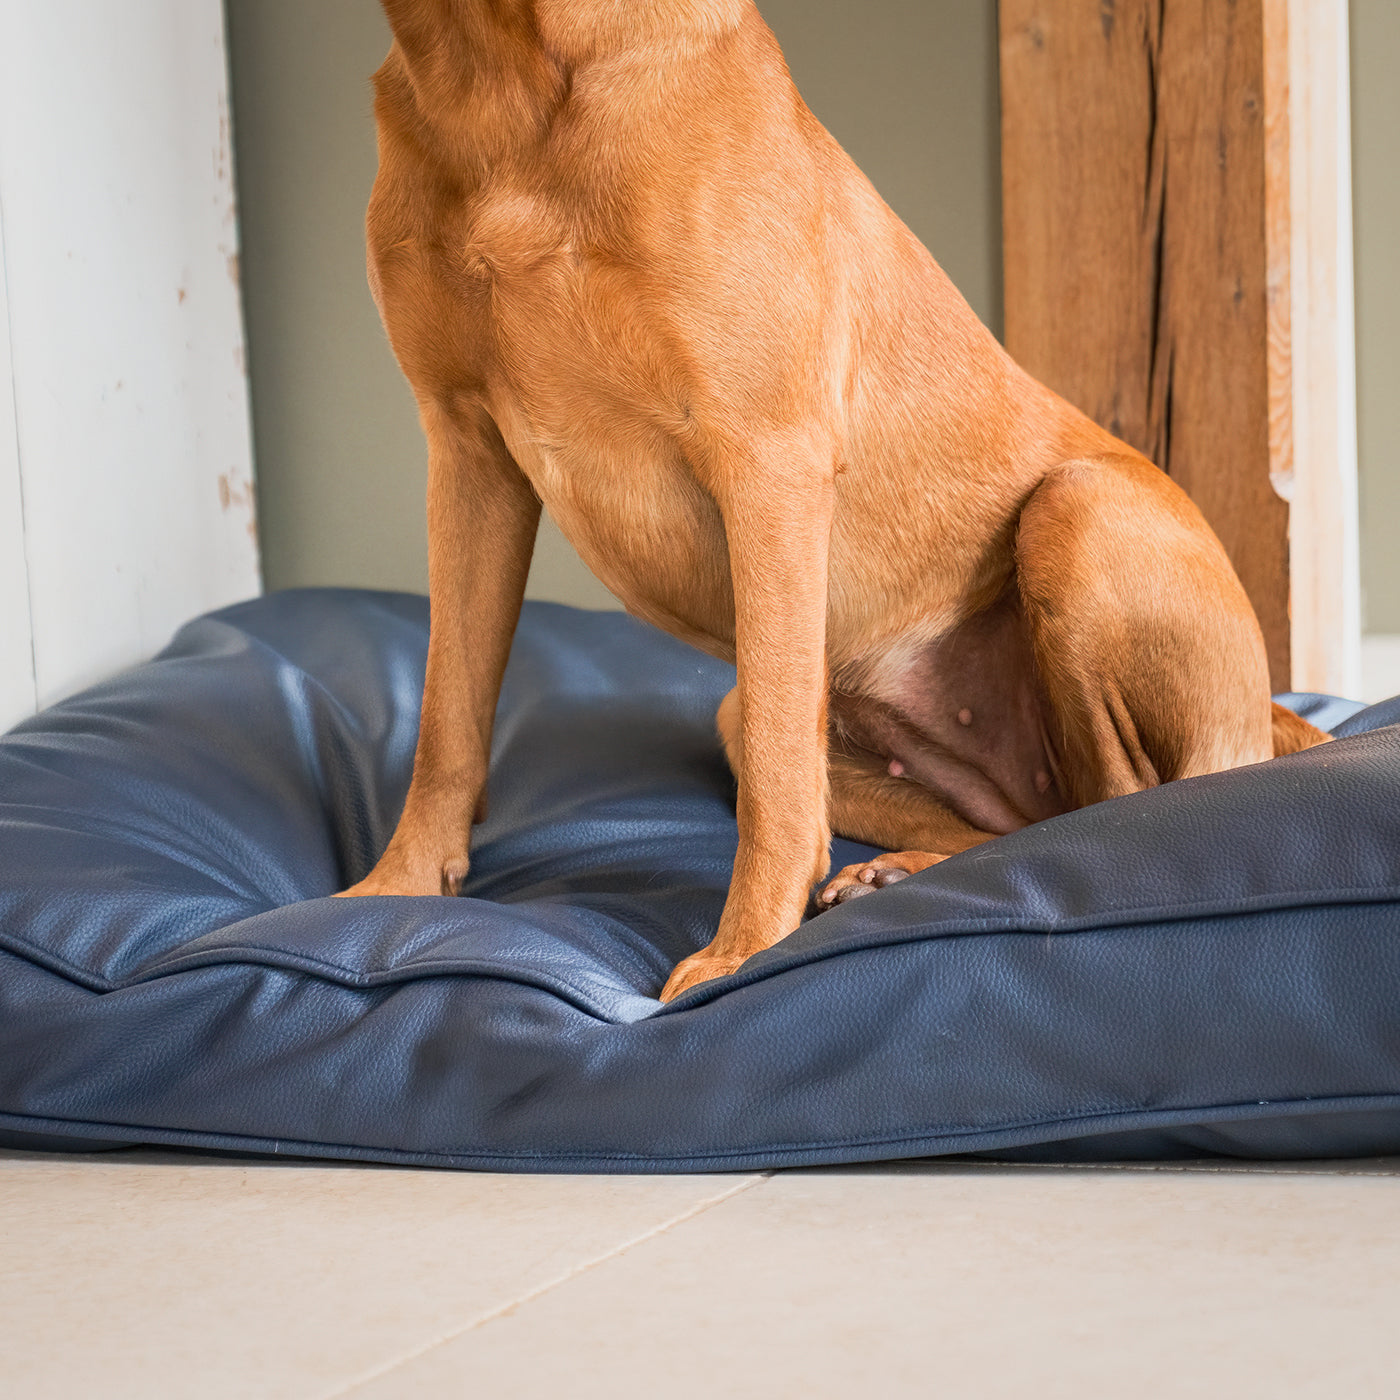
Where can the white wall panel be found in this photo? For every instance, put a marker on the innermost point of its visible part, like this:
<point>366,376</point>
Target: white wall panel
<point>16,639</point>
<point>130,389</point>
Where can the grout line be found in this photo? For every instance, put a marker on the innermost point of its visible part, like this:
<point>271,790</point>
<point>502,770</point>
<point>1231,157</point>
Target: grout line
<point>566,1277</point>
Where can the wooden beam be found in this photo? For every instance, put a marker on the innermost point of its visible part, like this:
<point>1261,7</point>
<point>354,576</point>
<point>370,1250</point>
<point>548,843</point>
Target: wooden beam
<point>1152,259</point>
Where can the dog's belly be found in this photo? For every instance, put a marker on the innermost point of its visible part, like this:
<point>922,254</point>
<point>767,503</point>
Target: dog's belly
<point>965,716</point>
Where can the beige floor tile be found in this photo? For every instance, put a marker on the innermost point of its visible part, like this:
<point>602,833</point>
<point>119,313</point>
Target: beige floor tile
<point>156,1276</point>
<point>1346,1166</point>
<point>974,1283</point>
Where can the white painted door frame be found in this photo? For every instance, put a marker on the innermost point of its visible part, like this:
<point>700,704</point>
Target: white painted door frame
<point>1313,343</point>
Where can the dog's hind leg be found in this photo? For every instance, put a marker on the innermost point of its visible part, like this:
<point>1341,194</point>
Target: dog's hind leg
<point>482,520</point>
<point>1147,647</point>
<point>1293,734</point>
<point>903,818</point>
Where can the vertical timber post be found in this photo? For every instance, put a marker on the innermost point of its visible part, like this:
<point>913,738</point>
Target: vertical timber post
<point>1162,264</point>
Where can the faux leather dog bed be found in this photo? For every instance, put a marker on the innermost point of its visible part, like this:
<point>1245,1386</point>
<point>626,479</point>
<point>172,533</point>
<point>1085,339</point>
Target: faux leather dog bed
<point>1213,966</point>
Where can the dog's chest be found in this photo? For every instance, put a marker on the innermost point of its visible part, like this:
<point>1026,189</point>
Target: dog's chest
<point>585,390</point>
<point>628,503</point>
<point>510,236</point>
<point>571,313</point>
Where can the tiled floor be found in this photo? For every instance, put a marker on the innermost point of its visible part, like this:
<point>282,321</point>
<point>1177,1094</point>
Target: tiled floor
<point>155,1275</point>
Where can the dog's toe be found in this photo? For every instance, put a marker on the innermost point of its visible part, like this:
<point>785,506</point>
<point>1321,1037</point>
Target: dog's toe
<point>891,876</point>
<point>849,892</point>
<point>857,881</point>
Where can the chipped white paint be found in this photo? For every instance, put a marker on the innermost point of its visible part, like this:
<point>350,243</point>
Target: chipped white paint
<point>130,444</point>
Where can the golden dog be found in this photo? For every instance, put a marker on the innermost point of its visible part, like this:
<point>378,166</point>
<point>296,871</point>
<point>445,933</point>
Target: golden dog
<point>629,275</point>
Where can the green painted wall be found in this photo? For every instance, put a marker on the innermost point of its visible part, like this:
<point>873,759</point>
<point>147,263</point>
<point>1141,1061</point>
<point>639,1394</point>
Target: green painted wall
<point>1375,96</point>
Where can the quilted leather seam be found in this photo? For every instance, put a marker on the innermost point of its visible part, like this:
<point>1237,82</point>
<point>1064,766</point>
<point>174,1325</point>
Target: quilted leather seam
<point>373,978</point>
<point>775,961</point>
<point>1026,1133</point>
<point>276,960</point>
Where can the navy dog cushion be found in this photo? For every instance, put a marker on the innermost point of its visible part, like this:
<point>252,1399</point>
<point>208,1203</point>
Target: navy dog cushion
<point>1213,966</point>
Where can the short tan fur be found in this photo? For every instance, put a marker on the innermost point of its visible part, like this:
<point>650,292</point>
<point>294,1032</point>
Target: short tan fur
<point>631,277</point>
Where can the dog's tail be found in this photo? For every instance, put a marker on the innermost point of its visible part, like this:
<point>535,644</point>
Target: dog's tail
<point>1293,735</point>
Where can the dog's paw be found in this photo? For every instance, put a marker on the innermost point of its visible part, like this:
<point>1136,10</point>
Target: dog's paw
<point>867,877</point>
<point>698,969</point>
<point>403,878</point>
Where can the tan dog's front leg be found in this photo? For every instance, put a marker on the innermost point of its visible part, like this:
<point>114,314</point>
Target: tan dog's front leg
<point>482,519</point>
<point>777,517</point>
